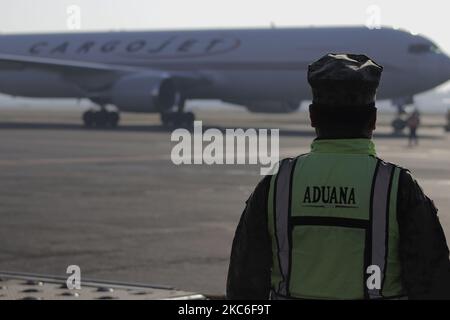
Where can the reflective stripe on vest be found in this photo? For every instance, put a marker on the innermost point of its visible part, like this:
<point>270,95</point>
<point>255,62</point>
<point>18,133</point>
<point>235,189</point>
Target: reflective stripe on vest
<point>282,205</point>
<point>376,247</point>
<point>378,224</point>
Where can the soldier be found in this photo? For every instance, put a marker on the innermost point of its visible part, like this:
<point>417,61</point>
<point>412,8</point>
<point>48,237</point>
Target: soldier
<point>339,222</point>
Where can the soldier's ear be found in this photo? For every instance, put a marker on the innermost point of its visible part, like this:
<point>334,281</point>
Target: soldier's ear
<point>312,116</point>
<point>373,120</point>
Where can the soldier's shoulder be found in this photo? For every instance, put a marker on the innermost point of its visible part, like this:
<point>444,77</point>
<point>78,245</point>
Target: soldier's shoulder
<point>288,162</point>
<point>395,165</point>
<point>409,187</point>
<point>406,177</point>
<point>291,159</point>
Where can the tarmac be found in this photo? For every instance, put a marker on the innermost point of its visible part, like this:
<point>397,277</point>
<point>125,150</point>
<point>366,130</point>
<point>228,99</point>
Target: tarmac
<point>112,202</point>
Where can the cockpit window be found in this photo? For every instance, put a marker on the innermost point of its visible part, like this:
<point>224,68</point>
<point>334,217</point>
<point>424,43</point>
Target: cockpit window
<point>421,48</point>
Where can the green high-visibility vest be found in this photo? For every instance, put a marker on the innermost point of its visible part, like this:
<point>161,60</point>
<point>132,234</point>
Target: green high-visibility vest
<point>332,217</point>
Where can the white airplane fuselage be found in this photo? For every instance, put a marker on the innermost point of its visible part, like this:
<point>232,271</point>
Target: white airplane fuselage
<point>239,65</point>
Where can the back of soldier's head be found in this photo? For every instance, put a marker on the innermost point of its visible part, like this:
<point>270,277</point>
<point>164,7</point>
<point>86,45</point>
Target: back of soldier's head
<point>344,90</point>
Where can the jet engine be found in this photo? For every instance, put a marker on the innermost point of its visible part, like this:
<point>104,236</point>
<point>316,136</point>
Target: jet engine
<point>143,93</point>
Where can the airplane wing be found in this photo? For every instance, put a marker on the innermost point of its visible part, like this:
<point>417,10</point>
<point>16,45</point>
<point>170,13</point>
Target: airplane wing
<point>20,61</point>
<point>89,76</point>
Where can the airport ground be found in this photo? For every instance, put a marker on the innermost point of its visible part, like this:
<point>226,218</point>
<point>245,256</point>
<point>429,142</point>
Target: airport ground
<point>112,202</point>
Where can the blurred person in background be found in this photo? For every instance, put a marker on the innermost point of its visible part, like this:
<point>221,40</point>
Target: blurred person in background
<point>413,123</point>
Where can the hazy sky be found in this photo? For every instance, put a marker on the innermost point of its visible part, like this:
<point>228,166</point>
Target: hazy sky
<point>426,17</point>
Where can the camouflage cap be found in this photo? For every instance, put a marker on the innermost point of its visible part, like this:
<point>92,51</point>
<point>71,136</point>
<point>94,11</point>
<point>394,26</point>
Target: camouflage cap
<point>344,80</point>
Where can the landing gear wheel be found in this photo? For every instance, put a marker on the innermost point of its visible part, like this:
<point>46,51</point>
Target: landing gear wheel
<point>398,125</point>
<point>100,119</point>
<point>189,118</point>
<point>166,119</point>
<point>89,119</point>
<point>177,119</point>
<point>113,119</point>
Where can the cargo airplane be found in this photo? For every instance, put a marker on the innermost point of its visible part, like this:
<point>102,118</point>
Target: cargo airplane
<point>263,70</point>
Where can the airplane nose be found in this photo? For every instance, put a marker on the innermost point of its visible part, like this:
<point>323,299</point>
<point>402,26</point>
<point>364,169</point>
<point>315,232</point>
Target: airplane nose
<point>445,67</point>
<point>441,70</point>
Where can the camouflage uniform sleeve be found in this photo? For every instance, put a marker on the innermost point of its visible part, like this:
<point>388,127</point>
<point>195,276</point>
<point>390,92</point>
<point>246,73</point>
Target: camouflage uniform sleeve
<point>251,254</point>
<point>423,248</point>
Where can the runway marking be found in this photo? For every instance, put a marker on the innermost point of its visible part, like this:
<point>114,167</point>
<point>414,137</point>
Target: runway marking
<point>50,161</point>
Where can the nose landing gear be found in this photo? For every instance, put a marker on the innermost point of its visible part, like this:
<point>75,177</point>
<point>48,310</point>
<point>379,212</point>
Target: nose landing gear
<point>399,123</point>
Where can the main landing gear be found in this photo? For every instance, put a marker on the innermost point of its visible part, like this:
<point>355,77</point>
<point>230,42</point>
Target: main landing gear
<point>101,118</point>
<point>178,118</point>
